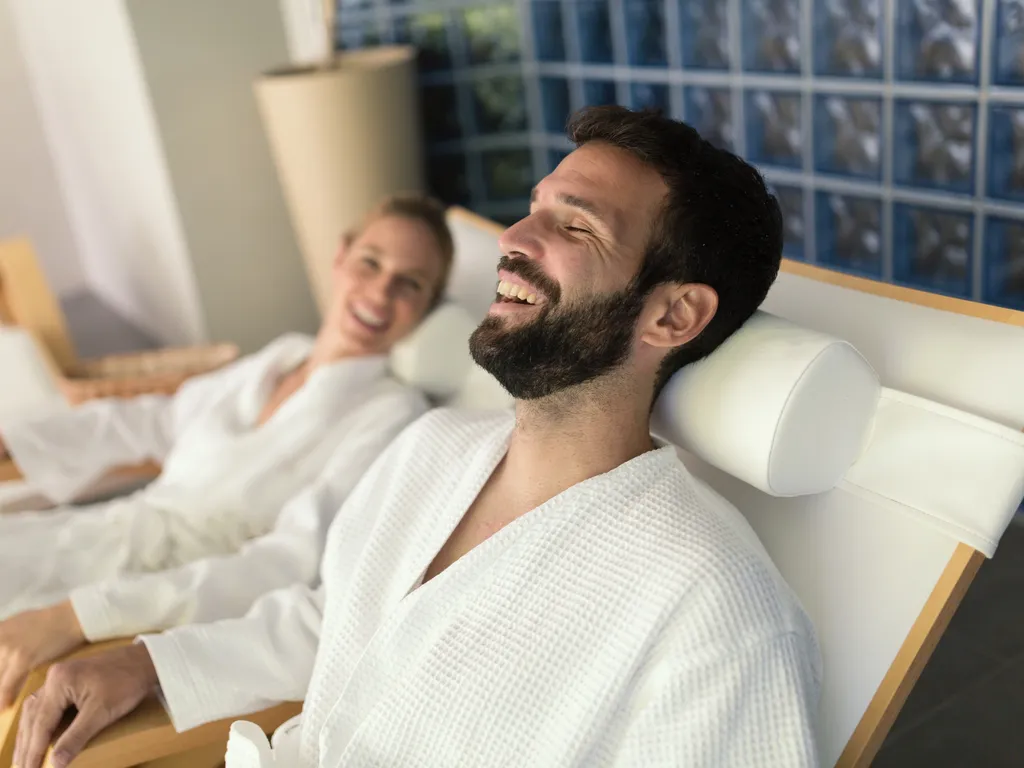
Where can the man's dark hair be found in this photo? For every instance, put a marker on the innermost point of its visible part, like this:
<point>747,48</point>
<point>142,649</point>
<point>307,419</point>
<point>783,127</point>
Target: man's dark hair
<point>719,224</point>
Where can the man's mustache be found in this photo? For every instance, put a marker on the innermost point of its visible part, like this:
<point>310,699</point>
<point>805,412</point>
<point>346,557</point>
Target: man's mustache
<point>532,273</point>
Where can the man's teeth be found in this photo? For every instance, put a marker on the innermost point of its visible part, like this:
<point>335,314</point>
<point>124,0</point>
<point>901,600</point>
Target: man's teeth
<point>370,320</point>
<point>513,291</point>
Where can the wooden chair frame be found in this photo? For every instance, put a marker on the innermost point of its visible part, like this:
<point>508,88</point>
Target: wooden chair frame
<point>147,734</point>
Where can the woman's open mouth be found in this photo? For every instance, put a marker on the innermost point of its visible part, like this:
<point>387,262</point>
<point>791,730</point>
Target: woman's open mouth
<point>368,319</point>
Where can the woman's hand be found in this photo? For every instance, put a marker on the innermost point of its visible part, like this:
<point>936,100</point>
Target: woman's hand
<point>33,638</point>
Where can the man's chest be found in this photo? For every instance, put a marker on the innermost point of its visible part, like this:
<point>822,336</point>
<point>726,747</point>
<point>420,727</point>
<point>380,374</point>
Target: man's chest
<point>492,509</point>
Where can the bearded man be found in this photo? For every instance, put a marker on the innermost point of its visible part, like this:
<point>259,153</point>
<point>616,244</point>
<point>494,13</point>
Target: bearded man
<point>543,588</point>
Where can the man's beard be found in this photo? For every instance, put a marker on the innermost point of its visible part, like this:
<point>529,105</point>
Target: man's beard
<point>564,346</point>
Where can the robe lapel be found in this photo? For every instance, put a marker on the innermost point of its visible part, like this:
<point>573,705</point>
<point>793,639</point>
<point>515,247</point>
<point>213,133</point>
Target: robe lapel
<point>442,520</point>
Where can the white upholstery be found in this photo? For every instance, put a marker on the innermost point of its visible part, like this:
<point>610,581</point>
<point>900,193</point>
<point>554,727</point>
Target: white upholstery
<point>958,472</point>
<point>481,390</point>
<point>781,407</point>
<point>435,357</point>
<point>965,362</point>
<point>474,269</point>
<point>27,387</point>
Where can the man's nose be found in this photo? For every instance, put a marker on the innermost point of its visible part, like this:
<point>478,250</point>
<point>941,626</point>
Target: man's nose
<point>524,239</point>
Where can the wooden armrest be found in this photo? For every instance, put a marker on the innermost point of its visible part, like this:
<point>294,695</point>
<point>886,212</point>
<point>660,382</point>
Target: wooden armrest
<point>9,471</point>
<point>147,734</point>
<point>144,735</point>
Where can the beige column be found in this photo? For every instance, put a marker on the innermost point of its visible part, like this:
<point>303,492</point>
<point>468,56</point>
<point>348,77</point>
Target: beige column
<point>341,139</point>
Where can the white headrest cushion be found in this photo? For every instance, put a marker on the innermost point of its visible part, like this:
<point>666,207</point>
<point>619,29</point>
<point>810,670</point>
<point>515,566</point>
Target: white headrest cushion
<point>781,407</point>
<point>435,357</point>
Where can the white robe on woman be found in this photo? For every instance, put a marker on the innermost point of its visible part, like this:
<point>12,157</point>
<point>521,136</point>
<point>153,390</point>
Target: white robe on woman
<point>239,509</point>
<point>632,620</point>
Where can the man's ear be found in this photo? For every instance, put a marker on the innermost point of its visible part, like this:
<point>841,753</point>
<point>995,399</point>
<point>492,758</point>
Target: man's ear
<point>677,313</point>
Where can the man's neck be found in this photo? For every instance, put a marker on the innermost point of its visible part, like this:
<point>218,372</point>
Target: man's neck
<point>568,438</point>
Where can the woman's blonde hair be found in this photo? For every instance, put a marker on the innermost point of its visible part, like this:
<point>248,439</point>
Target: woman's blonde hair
<point>425,209</point>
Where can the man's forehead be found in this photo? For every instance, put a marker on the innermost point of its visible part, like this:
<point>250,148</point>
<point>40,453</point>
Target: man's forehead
<point>607,178</point>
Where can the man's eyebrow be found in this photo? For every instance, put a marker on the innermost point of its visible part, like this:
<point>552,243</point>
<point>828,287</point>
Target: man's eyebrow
<point>574,202</point>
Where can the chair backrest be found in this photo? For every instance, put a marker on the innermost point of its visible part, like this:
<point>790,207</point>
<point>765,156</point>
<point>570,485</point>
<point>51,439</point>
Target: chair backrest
<point>881,561</point>
<point>26,300</point>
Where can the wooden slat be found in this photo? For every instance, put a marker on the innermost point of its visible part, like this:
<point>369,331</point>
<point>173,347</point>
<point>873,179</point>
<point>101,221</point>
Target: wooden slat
<point>912,657</point>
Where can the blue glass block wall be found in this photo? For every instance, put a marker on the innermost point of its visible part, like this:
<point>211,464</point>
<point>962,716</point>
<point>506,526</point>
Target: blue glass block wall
<point>891,130</point>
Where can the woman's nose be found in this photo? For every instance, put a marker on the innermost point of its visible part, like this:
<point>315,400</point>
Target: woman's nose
<point>379,291</point>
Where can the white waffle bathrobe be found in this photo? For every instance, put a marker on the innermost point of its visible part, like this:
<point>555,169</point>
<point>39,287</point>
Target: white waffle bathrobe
<point>238,510</point>
<point>632,620</point>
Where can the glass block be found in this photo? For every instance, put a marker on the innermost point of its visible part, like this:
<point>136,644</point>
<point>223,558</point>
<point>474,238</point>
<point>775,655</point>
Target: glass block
<point>705,32</point>
<point>555,156</point>
<point>547,30</point>
<point>440,113</point>
<point>508,173</point>
<point>774,128</point>
<point>595,32</point>
<point>554,98</point>
<point>645,32</point>
<point>849,233</point>
<point>848,38</point>
<point>848,135</point>
<point>771,35</point>
<point>1004,262</point>
<point>1008,67</point>
<point>429,33</point>
<point>599,92</point>
<point>499,104</point>
<point>1006,153</point>
<point>491,33</point>
<point>351,37</point>
<point>508,219</point>
<point>709,110</point>
<point>649,96</point>
<point>446,176</point>
<point>932,249</point>
<point>791,201</point>
<point>934,145</point>
<point>937,40</point>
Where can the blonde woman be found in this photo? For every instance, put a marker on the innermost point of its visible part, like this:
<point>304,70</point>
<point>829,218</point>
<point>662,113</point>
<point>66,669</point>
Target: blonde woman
<point>257,458</point>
